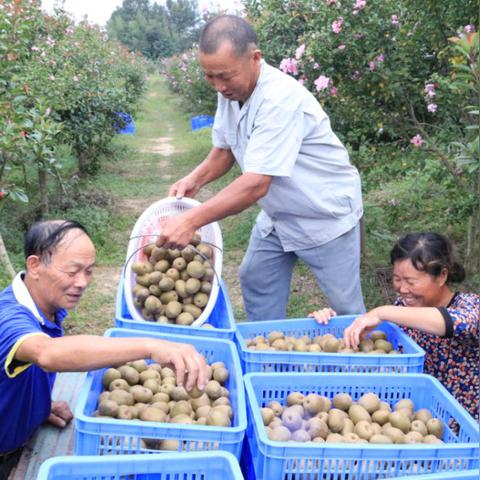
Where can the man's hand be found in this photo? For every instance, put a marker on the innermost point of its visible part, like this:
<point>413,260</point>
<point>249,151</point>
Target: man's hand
<point>176,231</point>
<point>323,316</point>
<point>185,187</point>
<point>185,360</point>
<point>360,328</point>
<point>60,414</point>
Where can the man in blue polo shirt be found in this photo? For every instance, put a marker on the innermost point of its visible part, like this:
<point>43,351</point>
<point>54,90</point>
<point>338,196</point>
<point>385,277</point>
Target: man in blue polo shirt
<point>59,261</point>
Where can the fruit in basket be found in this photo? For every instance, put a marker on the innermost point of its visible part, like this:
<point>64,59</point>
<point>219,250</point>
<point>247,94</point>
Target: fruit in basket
<point>368,420</point>
<point>171,275</point>
<point>377,344</point>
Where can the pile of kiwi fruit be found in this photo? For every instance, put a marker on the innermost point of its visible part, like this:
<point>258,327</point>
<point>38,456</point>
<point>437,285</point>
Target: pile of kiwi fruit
<point>317,418</point>
<point>174,286</point>
<point>149,392</point>
<point>376,344</point>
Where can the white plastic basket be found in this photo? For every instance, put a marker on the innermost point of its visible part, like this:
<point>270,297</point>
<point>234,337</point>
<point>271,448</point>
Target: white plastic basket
<point>147,229</point>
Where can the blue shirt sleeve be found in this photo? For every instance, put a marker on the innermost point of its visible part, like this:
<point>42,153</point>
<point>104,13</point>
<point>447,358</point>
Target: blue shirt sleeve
<point>15,322</point>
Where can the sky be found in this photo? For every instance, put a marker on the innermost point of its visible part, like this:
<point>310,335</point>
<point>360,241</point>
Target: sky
<point>99,11</point>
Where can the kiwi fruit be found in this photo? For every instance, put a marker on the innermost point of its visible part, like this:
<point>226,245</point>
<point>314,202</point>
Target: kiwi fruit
<point>334,438</point>
<point>121,397</point>
<point>313,403</point>
<point>126,412</point>
<point>279,434</point>
<point>150,414</point>
<point>342,401</point>
<point>294,398</point>
<point>276,407</point>
<point>317,428</point>
<point>300,435</point>
<point>141,394</point>
<point>358,413</point>
<point>431,439</point>
<point>423,414</point>
<point>370,402</point>
<point>380,438</point>
<point>380,416</point>
<point>119,384</point>
<point>336,420</point>
<point>395,434</point>
<point>413,437</point>
<point>292,419</point>
<point>378,335</point>
<point>139,365</point>
<point>435,427</point>
<point>399,420</point>
<point>108,408</point>
<point>185,318</point>
<point>363,429</point>
<point>129,374</point>
<point>109,376</point>
<point>218,418</point>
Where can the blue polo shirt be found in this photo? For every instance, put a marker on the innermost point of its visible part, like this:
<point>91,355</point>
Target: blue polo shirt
<point>25,389</point>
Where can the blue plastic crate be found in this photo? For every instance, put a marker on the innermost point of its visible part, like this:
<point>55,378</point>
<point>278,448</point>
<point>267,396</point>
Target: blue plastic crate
<point>167,466</point>
<point>104,436</point>
<point>410,361</point>
<point>127,122</point>
<point>473,474</point>
<point>221,318</point>
<point>334,461</point>
<point>202,121</point>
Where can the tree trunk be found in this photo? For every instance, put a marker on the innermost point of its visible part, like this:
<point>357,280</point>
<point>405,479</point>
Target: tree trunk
<point>42,183</point>
<point>5,260</point>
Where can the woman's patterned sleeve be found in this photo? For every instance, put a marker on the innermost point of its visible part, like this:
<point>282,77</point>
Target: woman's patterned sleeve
<point>465,315</point>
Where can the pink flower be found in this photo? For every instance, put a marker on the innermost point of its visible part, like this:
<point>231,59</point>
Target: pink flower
<point>359,5</point>
<point>430,89</point>
<point>380,58</point>
<point>333,91</point>
<point>342,46</point>
<point>394,19</point>
<point>34,49</point>
<point>301,81</point>
<point>337,25</point>
<point>372,66</point>
<point>417,140</point>
<point>469,28</point>
<point>316,66</point>
<point>321,83</point>
<point>331,2</point>
<point>432,107</point>
<point>299,51</point>
<point>51,77</point>
<point>289,65</point>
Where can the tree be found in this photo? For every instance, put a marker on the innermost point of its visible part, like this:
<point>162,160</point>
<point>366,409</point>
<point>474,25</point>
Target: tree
<point>155,30</point>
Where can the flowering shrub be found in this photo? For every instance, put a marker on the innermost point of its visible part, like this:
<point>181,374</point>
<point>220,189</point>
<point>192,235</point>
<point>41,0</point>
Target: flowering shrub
<point>186,78</point>
<point>367,61</point>
<point>59,84</point>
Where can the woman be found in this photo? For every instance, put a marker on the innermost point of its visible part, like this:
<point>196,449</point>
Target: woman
<point>443,322</point>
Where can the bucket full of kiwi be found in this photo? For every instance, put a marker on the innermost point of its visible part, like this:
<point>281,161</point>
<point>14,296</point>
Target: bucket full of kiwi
<point>172,286</point>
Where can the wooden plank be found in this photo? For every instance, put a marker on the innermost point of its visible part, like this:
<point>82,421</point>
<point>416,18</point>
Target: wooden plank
<point>50,441</point>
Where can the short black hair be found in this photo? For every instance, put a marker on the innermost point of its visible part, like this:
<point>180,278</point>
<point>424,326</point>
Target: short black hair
<point>237,31</point>
<point>43,237</point>
<point>429,252</point>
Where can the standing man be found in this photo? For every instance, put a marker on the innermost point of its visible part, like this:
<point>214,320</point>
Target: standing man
<point>292,164</point>
<point>59,261</point>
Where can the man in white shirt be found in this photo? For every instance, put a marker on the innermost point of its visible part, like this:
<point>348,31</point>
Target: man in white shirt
<point>292,164</point>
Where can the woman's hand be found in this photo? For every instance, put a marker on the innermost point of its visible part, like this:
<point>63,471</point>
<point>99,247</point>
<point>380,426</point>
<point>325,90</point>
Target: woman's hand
<point>323,316</point>
<point>361,327</point>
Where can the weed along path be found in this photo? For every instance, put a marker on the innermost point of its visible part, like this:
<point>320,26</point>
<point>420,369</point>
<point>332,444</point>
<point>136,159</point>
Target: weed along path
<point>163,149</point>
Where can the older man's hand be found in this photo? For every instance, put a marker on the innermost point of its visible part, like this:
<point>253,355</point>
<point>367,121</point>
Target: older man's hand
<point>60,414</point>
<point>188,364</point>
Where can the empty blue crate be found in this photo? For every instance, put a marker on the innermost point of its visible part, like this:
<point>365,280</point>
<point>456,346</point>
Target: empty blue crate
<point>473,474</point>
<point>350,461</point>
<point>167,466</point>
<point>112,436</point>
<point>221,318</point>
<point>410,360</point>
<point>202,121</point>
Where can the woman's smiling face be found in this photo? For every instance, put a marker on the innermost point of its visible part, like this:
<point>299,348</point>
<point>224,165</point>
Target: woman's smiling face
<point>417,288</point>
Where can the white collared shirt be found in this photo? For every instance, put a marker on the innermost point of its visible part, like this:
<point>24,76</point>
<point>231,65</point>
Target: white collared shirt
<point>282,131</point>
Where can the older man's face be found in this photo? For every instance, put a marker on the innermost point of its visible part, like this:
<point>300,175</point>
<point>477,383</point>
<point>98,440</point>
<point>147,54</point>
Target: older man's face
<point>69,271</point>
<point>234,77</point>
